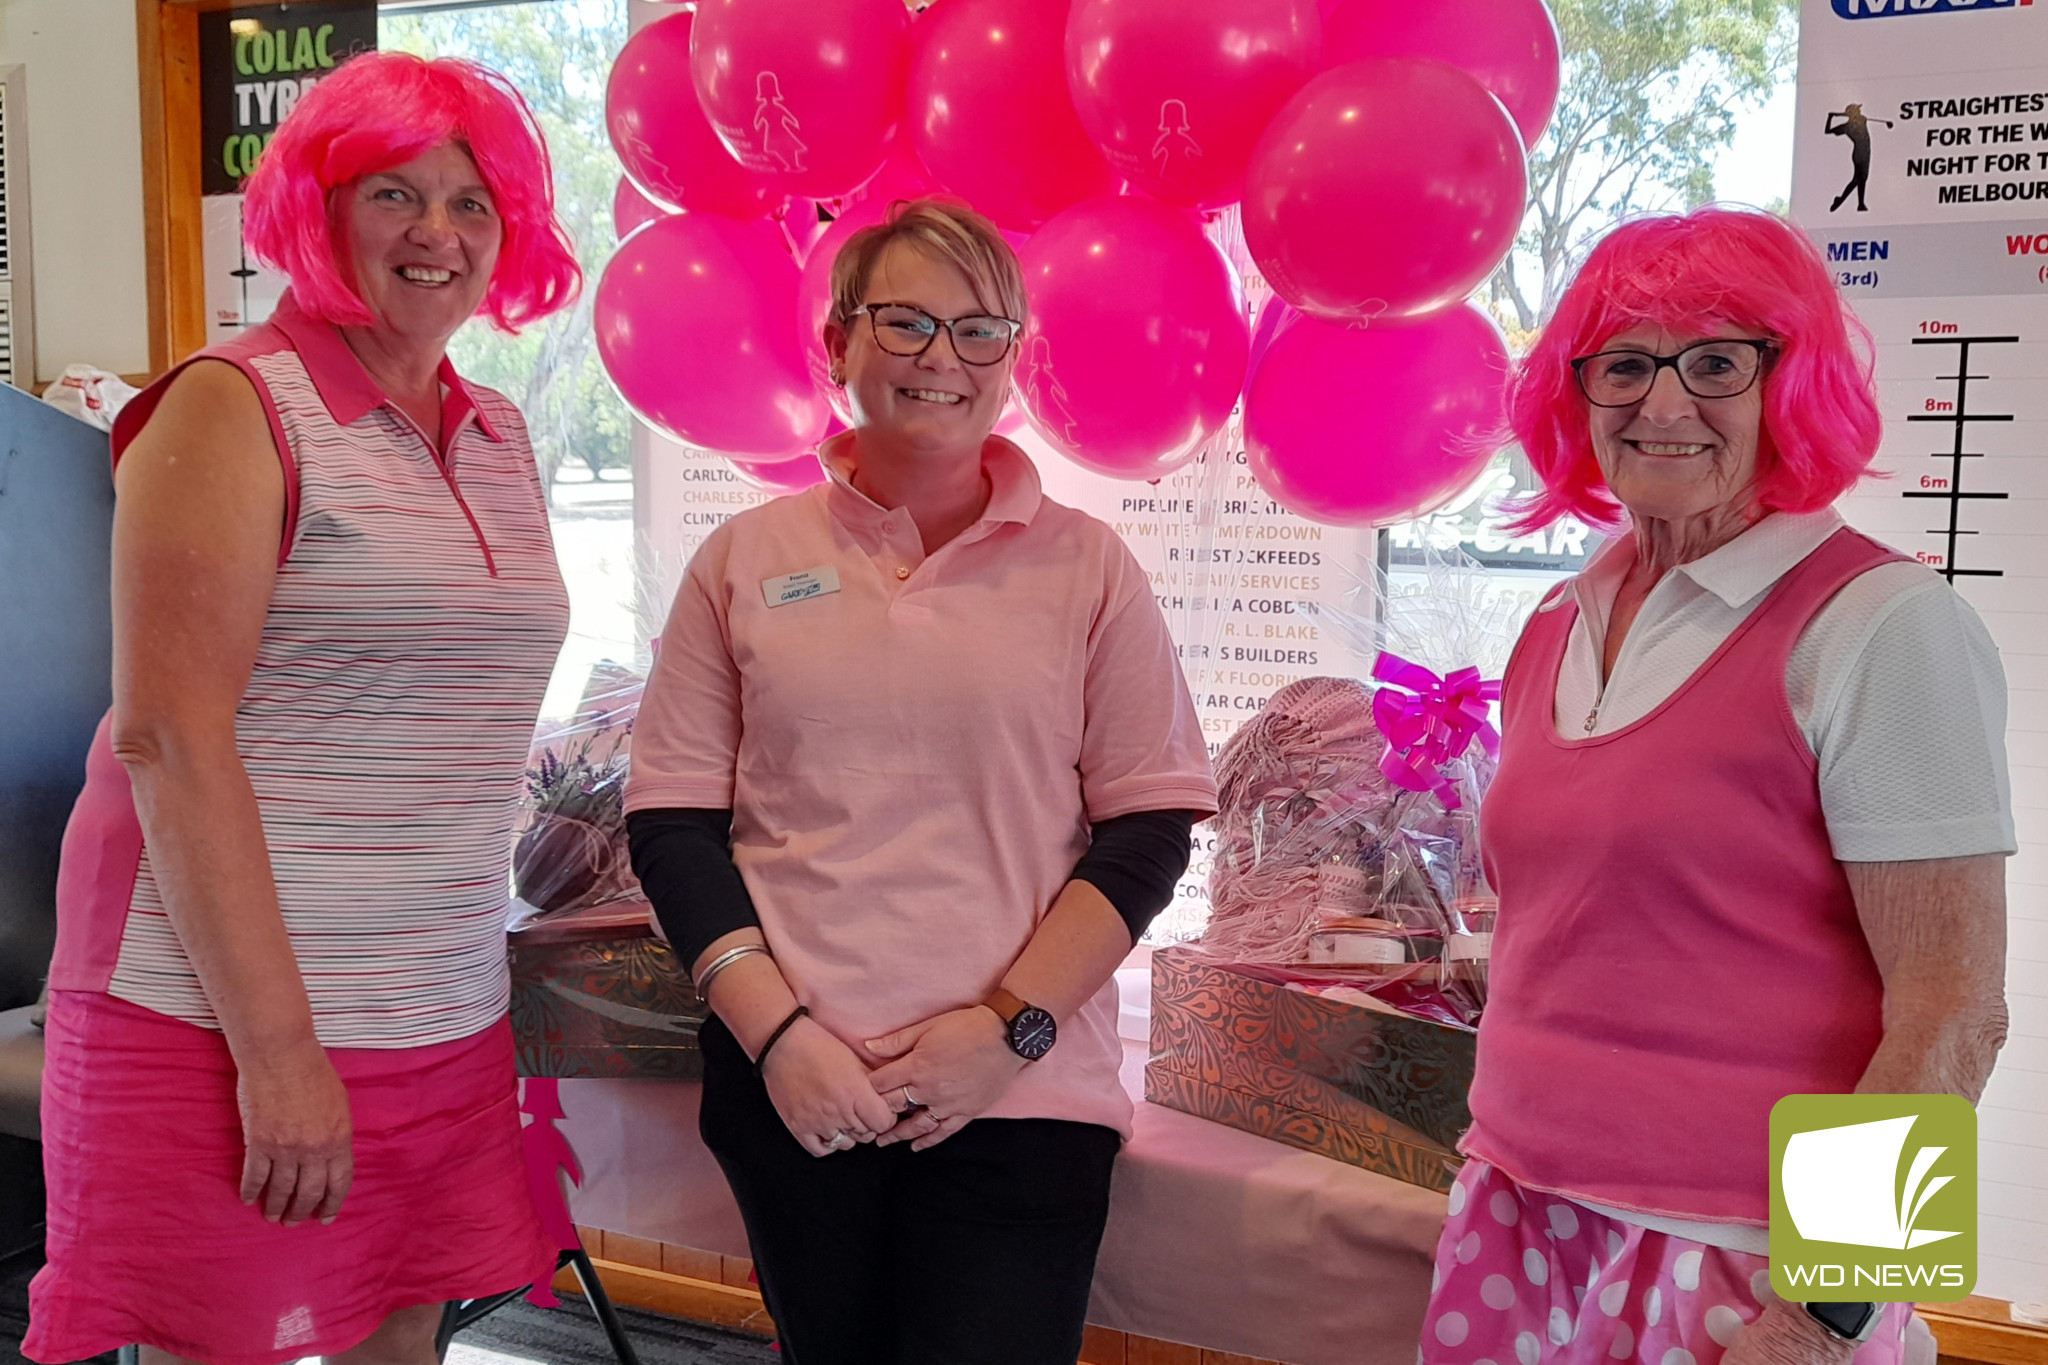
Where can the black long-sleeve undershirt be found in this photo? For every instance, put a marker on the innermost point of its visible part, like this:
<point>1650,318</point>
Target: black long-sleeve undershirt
<point>683,857</point>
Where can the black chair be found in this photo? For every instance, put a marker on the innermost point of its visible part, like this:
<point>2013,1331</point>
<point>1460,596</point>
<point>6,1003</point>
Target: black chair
<point>460,1315</point>
<point>56,522</point>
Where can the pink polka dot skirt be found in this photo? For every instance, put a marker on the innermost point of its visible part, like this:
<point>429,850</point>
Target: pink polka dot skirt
<point>1524,1278</point>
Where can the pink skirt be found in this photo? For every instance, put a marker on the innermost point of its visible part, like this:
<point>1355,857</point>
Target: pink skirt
<point>1526,1278</point>
<point>150,1243</point>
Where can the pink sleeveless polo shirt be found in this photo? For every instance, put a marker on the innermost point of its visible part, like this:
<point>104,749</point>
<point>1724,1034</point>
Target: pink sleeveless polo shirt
<point>412,628</point>
<point>1677,947</point>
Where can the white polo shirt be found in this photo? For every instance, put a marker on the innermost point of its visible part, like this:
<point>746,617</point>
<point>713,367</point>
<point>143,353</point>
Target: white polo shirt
<point>1896,685</point>
<point>913,747</point>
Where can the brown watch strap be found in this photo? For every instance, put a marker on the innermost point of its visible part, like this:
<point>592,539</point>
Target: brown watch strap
<point>1006,1005</point>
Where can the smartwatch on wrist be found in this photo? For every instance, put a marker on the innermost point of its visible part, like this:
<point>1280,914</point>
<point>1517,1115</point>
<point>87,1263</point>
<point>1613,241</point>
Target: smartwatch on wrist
<point>1032,1031</point>
<point>1847,1321</point>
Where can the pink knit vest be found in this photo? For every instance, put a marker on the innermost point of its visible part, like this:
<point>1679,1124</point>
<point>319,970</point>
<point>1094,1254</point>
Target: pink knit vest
<point>1677,947</point>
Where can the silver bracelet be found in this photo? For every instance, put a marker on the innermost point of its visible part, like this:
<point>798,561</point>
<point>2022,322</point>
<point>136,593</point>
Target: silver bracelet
<point>721,962</point>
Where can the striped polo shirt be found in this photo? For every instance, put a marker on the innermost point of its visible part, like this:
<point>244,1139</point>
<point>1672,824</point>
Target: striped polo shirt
<point>414,622</point>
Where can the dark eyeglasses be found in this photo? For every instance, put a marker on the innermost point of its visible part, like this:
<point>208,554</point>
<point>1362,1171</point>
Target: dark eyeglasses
<point>978,339</point>
<point>1707,369</point>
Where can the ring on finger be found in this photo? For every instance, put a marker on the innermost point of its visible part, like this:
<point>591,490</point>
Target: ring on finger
<point>910,1101</point>
<point>839,1141</point>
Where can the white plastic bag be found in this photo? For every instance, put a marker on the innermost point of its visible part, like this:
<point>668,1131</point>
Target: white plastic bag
<point>90,394</point>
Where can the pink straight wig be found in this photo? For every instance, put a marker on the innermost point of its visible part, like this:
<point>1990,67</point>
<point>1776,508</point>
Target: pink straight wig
<point>380,110</point>
<point>1690,273</point>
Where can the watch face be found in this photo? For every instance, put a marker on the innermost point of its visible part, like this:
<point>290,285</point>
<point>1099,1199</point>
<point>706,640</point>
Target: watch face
<point>1849,1321</point>
<point>1032,1033</point>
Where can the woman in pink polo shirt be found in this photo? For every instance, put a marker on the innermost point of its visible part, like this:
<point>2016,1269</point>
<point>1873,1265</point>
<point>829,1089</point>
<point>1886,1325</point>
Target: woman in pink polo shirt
<point>1748,830</point>
<point>279,1113</point>
<point>915,767</point>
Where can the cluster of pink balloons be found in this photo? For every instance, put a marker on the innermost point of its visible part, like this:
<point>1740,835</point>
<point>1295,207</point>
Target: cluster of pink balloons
<point>1376,148</point>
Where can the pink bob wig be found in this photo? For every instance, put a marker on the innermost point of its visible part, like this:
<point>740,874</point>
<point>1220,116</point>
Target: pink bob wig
<point>1692,272</point>
<point>380,110</point>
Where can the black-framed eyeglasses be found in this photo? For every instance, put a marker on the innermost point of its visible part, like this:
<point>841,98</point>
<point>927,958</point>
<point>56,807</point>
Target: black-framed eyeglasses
<point>1708,369</point>
<point>904,330</point>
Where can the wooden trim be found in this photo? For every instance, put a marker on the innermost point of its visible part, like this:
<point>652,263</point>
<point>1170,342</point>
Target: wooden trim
<point>167,51</point>
<point>1980,1329</point>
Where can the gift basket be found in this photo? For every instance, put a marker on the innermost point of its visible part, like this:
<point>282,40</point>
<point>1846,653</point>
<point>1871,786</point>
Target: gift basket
<point>1347,836</point>
<point>569,852</point>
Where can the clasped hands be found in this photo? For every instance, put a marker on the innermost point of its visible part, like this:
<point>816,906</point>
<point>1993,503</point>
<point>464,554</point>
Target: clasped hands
<point>920,1084</point>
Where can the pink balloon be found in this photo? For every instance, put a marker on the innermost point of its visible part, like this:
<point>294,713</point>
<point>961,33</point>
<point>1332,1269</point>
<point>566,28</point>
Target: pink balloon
<point>631,209</point>
<point>659,130</point>
<point>1136,346</point>
<point>1176,92</point>
<point>989,111</point>
<point>1359,427</point>
<point>805,92</point>
<point>781,476</point>
<point>692,321</point>
<point>902,175</point>
<point>814,297</point>
<point>1387,188</point>
<point>1508,46</point>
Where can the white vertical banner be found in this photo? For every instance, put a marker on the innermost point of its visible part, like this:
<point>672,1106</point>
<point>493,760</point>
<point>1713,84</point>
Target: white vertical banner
<point>1921,167</point>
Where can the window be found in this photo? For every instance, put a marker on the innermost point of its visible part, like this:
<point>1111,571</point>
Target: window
<point>558,54</point>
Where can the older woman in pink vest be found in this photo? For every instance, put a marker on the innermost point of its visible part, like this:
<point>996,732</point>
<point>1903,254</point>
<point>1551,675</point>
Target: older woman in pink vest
<point>278,1107</point>
<point>1749,829</point>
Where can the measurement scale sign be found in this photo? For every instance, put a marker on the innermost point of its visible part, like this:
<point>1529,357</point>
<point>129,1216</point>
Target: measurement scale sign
<point>1956,413</point>
<point>1920,169</point>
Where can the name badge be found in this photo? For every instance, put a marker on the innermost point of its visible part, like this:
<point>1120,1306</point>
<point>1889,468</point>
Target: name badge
<point>795,587</point>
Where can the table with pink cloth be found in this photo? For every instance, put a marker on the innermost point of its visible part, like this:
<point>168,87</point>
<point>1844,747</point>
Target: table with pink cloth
<point>1216,1238</point>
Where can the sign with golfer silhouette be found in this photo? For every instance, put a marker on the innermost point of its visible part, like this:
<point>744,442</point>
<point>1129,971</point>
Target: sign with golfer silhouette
<point>1939,114</point>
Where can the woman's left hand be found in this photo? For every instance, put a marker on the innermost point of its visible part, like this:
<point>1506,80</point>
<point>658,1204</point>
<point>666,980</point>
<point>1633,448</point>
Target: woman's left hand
<point>955,1065</point>
<point>1784,1335</point>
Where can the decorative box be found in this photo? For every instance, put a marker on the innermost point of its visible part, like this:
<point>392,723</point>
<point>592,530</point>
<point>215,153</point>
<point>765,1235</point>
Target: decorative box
<point>594,993</point>
<point>1349,1078</point>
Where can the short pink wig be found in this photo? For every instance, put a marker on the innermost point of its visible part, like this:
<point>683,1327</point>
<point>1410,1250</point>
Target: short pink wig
<point>380,110</point>
<point>1690,272</point>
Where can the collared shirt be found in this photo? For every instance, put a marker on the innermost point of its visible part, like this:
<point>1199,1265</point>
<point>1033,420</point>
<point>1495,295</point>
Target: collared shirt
<point>914,746</point>
<point>412,626</point>
<point>1895,684</point>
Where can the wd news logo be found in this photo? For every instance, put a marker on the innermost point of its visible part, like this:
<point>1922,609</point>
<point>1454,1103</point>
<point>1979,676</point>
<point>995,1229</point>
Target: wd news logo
<point>1873,1198</point>
<point>1881,9</point>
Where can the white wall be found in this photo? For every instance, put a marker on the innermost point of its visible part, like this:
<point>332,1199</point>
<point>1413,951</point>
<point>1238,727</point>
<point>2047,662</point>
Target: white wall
<point>85,180</point>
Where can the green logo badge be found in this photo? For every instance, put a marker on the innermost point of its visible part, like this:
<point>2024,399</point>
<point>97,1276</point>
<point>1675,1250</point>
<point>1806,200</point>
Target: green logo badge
<point>1873,1198</point>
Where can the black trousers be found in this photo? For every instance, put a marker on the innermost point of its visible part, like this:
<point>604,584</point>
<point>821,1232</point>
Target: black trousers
<point>979,1251</point>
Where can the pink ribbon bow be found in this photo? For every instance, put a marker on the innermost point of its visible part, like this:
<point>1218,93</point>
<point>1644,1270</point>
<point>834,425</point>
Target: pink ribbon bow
<point>1429,721</point>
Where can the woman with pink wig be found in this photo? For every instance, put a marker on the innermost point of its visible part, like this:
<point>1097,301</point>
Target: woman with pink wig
<point>278,1103</point>
<point>1748,831</point>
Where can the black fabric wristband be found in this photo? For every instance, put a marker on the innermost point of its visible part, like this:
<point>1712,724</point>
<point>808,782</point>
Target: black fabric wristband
<point>761,1059</point>
<point>683,858</point>
<point>1136,860</point>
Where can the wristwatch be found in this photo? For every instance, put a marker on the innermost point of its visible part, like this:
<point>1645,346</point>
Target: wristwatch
<point>1847,1321</point>
<point>1032,1030</point>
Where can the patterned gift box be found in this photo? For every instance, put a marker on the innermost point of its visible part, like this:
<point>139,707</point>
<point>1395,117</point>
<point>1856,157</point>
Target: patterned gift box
<point>602,998</point>
<point>1372,1087</point>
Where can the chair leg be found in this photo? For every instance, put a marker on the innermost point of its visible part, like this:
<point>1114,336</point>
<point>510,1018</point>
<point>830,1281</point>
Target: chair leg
<point>451,1318</point>
<point>601,1304</point>
<point>129,1355</point>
